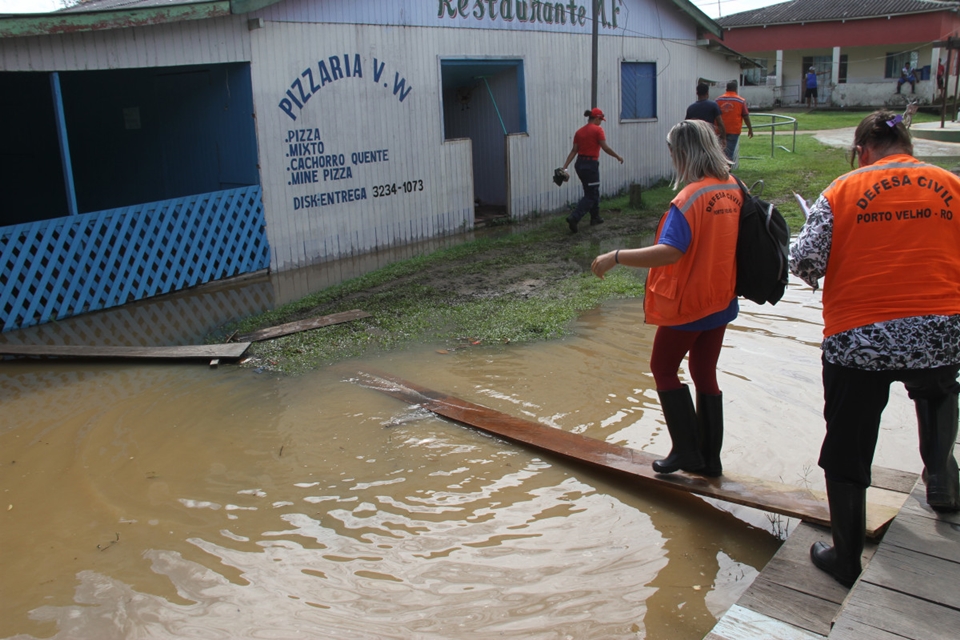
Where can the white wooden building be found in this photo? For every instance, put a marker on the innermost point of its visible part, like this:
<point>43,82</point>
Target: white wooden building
<point>376,122</point>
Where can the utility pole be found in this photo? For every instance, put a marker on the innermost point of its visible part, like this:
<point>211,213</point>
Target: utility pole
<point>596,38</point>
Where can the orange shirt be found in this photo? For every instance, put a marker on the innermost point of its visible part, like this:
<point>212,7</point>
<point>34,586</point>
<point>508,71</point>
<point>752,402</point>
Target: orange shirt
<point>732,110</point>
<point>895,251</point>
<point>704,280</point>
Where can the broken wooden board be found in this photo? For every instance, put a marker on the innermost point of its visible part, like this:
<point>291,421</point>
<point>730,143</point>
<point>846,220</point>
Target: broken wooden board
<point>302,325</point>
<point>774,497</point>
<point>207,352</point>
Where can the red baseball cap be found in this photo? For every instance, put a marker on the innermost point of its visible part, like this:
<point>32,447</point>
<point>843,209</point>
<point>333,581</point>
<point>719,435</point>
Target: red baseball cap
<point>596,113</point>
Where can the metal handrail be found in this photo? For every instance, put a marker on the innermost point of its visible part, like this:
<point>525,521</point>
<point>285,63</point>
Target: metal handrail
<point>776,120</point>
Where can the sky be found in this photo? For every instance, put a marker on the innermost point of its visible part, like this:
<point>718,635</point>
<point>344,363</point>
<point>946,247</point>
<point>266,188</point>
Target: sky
<point>713,8</point>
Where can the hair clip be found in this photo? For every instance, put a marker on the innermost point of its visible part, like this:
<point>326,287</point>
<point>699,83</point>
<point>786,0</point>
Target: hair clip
<point>897,119</point>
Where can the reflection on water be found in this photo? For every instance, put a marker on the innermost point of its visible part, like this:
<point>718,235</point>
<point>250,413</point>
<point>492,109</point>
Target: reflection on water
<point>171,501</point>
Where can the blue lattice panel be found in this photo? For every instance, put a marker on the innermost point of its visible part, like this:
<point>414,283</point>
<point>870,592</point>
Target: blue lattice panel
<point>60,268</point>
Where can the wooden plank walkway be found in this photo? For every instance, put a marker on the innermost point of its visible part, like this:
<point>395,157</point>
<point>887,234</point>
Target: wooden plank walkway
<point>231,351</point>
<point>908,589</point>
<point>787,500</point>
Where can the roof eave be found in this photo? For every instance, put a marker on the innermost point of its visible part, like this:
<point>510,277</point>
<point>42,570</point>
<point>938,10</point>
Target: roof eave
<point>714,46</point>
<point>40,24</point>
<point>851,19</point>
<point>702,19</point>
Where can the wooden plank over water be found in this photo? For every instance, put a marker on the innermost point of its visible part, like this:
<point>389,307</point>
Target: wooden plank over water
<point>909,589</point>
<point>774,497</point>
<point>303,325</point>
<point>231,351</point>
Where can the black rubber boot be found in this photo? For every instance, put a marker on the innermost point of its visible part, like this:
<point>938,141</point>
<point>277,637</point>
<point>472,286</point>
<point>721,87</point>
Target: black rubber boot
<point>681,419</point>
<point>848,520</point>
<point>710,422</point>
<point>937,420</point>
<point>572,223</point>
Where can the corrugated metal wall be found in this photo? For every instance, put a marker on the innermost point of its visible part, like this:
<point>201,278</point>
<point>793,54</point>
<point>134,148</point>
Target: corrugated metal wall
<point>352,114</point>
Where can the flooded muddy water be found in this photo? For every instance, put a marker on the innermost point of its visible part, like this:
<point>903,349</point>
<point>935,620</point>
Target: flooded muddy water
<point>174,501</point>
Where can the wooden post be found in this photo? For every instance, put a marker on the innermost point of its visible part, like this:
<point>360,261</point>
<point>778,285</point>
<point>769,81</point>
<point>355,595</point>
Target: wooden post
<point>635,191</point>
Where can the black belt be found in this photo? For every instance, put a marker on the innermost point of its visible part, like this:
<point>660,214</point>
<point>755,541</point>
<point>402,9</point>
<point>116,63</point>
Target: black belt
<point>588,157</point>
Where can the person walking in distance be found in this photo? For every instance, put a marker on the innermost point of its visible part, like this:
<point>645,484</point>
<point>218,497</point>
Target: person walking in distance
<point>587,143</point>
<point>735,114</point>
<point>707,110</point>
<point>884,240</point>
<point>690,294</point>
<point>941,77</point>
<point>810,83</point>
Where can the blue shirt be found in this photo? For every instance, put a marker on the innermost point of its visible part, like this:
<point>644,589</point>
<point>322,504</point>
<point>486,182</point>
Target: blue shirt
<point>676,233</point>
<point>811,80</point>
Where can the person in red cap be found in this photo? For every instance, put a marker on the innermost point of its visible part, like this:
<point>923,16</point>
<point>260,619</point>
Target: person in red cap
<point>587,143</point>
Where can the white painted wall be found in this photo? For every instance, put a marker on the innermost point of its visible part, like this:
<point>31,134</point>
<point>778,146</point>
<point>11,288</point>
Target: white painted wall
<point>357,114</point>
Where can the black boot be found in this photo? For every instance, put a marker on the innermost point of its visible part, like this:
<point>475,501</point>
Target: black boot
<point>681,419</point>
<point>937,420</point>
<point>848,521</point>
<point>710,422</point>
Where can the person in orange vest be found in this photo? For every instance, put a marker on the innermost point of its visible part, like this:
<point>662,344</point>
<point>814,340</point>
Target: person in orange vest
<point>690,294</point>
<point>884,239</point>
<point>587,143</point>
<point>735,114</point>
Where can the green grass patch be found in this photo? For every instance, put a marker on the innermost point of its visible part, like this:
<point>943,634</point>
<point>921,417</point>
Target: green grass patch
<point>824,119</point>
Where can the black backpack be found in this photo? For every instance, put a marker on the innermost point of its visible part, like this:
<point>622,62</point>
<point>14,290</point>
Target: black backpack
<point>763,246</point>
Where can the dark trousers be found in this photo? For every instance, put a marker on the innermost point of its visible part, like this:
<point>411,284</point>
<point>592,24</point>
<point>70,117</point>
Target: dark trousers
<point>589,173</point>
<point>853,402</point>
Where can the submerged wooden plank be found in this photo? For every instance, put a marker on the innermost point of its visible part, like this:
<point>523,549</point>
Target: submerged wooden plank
<point>185,352</point>
<point>774,497</point>
<point>302,325</point>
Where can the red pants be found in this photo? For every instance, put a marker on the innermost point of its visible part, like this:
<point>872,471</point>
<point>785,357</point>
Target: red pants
<point>671,345</point>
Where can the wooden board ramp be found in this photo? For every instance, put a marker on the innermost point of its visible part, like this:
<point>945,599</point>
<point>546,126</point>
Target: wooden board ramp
<point>909,589</point>
<point>302,325</point>
<point>231,351</point>
<point>786,500</point>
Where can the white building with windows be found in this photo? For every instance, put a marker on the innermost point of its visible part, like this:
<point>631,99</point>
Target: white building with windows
<point>857,49</point>
<point>352,125</point>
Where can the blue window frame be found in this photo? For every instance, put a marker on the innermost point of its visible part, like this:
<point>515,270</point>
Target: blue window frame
<point>638,90</point>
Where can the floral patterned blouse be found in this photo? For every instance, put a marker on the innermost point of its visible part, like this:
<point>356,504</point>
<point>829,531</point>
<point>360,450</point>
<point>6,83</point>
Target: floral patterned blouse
<point>918,342</point>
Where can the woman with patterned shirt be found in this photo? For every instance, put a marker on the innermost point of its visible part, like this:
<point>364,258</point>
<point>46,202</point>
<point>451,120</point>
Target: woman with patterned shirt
<point>884,238</point>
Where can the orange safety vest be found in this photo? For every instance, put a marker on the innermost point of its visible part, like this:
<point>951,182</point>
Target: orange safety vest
<point>704,280</point>
<point>896,244</point>
<point>732,110</point>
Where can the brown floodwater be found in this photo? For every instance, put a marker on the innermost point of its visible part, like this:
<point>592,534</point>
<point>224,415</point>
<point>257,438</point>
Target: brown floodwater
<point>144,500</point>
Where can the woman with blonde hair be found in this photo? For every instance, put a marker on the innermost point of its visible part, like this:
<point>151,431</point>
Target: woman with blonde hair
<point>690,294</point>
